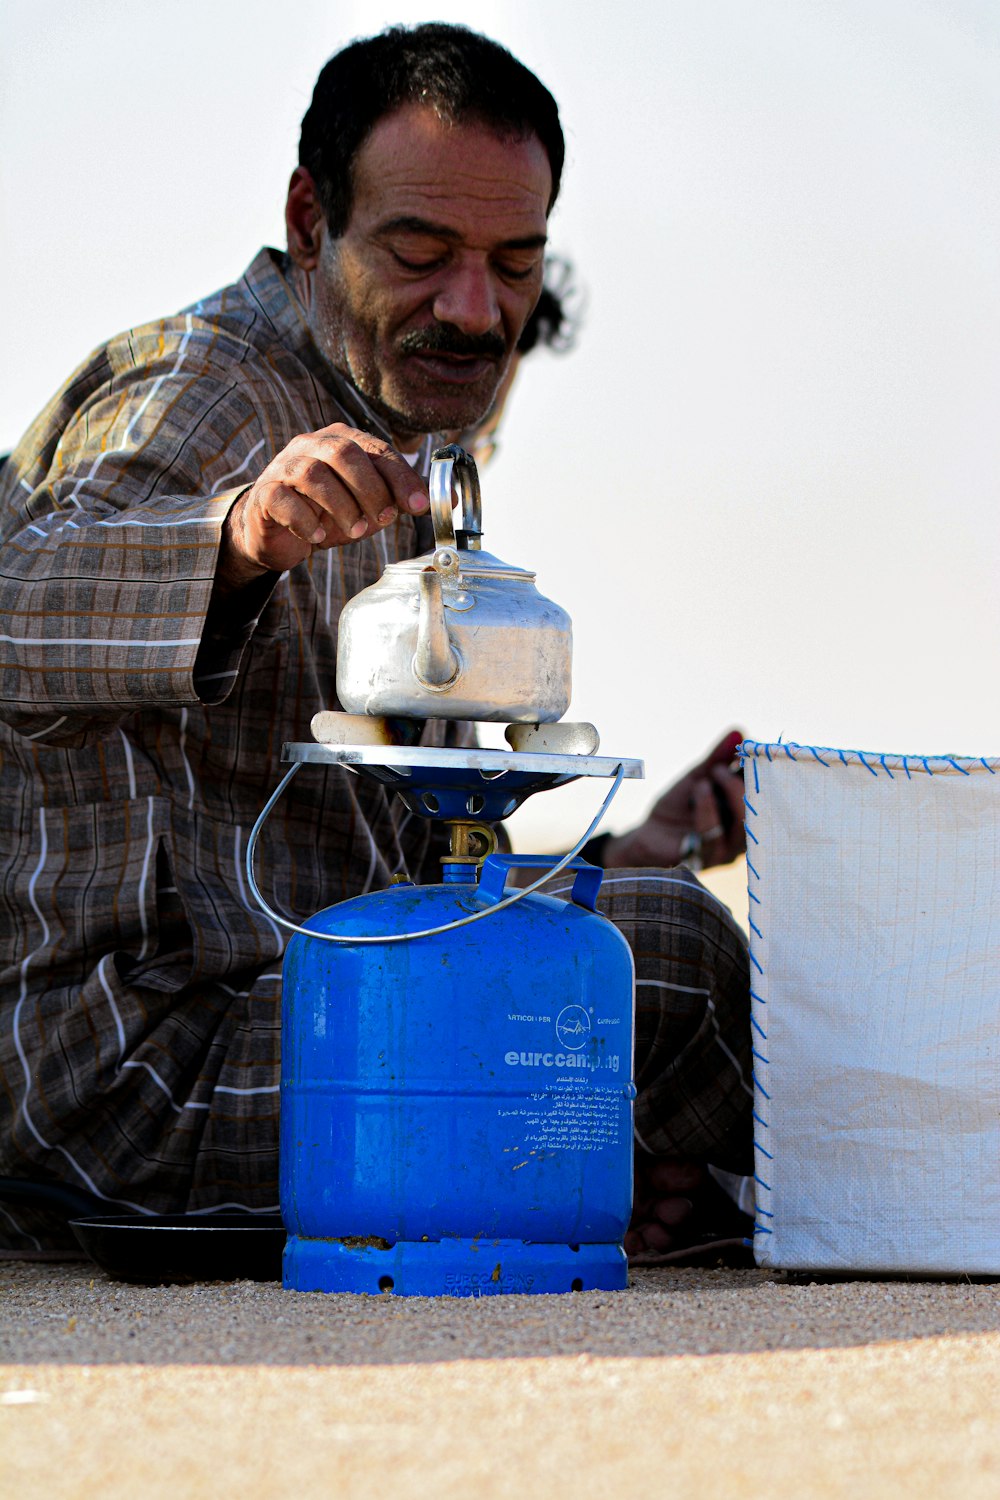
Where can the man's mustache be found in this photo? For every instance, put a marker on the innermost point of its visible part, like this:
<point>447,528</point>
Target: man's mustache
<point>445,338</point>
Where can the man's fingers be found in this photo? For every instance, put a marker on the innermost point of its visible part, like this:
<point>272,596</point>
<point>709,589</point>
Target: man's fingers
<point>729,792</point>
<point>281,506</point>
<point>409,490</point>
<point>356,483</point>
<point>671,1211</point>
<point>353,495</point>
<point>325,489</point>
<point>704,810</point>
<point>656,1236</point>
<point>716,816</point>
<point>722,754</point>
<point>367,464</point>
<point>634,1242</point>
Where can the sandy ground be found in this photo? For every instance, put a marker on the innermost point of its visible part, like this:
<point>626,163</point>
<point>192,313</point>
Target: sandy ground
<point>693,1384</point>
<point>700,1383</point>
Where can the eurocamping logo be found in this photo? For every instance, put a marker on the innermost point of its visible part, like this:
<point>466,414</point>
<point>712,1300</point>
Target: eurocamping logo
<point>573,1027</point>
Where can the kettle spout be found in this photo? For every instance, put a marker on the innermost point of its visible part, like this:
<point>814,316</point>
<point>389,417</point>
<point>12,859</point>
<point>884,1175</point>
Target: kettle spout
<point>435,661</point>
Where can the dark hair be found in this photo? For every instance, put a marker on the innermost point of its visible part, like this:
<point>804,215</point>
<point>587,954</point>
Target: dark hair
<point>460,74</point>
<point>558,312</point>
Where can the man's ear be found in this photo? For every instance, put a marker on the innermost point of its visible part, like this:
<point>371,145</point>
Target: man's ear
<point>304,221</point>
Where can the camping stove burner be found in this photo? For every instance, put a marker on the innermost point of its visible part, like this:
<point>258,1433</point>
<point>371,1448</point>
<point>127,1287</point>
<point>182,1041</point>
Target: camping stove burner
<point>487,785</point>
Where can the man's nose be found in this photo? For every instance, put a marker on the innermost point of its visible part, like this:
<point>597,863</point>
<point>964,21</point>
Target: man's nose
<point>468,300</point>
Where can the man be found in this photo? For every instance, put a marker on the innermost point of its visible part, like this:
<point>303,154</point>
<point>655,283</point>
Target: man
<point>181,529</point>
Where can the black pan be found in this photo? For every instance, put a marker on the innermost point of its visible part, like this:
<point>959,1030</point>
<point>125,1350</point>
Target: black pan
<point>206,1247</point>
<point>150,1252</point>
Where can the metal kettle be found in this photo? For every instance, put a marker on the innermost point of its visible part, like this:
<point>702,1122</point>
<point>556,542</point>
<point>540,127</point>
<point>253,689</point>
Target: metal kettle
<point>455,633</point>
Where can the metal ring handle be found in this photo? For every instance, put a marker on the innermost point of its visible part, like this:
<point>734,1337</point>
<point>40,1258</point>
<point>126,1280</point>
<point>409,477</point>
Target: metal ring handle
<point>451,466</point>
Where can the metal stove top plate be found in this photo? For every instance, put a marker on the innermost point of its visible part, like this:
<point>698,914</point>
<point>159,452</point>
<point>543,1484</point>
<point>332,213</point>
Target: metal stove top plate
<point>449,784</point>
<point>404,759</point>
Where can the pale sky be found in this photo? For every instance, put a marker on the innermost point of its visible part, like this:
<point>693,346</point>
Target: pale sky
<point>765,483</point>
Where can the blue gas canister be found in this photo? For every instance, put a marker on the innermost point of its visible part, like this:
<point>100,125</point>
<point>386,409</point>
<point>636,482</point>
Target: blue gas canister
<point>456,1110</point>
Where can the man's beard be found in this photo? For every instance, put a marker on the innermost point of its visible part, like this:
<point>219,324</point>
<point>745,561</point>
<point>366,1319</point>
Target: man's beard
<point>453,409</point>
<point>417,408</point>
<point>349,341</point>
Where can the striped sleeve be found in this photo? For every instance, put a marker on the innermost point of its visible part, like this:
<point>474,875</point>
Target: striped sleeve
<point>110,543</point>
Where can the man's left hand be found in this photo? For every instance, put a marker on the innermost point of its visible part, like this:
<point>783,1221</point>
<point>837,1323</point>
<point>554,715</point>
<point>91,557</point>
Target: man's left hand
<point>699,821</point>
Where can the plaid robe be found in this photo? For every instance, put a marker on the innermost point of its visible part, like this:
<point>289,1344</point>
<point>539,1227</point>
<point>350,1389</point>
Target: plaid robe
<point>141,735</point>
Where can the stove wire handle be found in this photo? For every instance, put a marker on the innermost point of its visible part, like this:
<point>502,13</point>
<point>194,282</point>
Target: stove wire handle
<point>406,937</point>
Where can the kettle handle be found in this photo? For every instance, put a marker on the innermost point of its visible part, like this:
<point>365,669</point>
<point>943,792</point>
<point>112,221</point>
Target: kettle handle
<point>452,466</point>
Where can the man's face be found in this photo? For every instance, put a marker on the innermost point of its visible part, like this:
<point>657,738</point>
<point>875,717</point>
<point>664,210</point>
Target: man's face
<point>422,299</point>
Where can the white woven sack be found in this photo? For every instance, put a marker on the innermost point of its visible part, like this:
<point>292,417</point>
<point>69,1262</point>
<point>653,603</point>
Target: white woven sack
<point>874,887</point>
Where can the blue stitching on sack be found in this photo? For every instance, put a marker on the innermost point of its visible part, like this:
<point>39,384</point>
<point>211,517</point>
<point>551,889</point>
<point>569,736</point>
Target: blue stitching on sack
<point>762,1229</point>
<point>765,1212</point>
<point>753,876</point>
<point>754,750</point>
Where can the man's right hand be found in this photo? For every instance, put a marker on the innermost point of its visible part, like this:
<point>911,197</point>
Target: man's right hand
<point>326,489</point>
